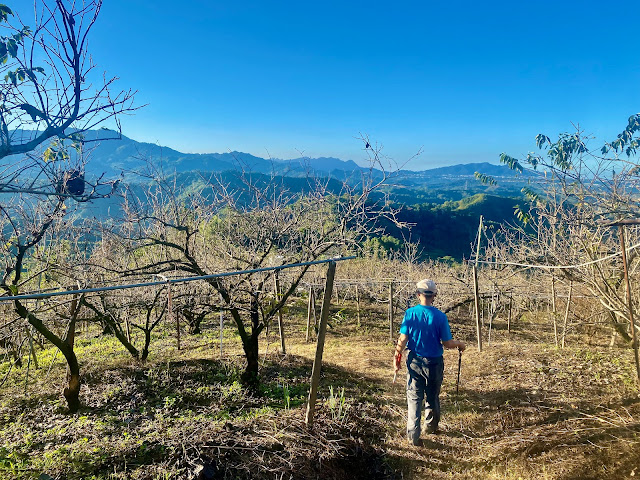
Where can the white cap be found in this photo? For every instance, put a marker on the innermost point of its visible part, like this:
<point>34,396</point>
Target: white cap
<point>427,286</point>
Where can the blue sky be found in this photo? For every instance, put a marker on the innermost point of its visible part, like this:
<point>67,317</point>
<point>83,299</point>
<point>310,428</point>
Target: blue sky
<point>461,81</point>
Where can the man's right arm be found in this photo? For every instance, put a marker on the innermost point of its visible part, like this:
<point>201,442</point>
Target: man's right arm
<point>455,344</point>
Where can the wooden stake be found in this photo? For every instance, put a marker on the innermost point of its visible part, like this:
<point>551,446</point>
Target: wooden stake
<point>566,314</point>
<point>358,304</point>
<point>317,362</point>
<point>310,308</point>
<point>127,327</point>
<point>509,317</point>
<point>553,303</point>
<point>170,309</point>
<point>391,332</point>
<point>476,290</point>
<point>31,349</point>
<point>221,322</point>
<point>276,286</point>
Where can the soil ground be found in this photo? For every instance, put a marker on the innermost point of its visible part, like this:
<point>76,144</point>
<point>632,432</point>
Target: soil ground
<point>525,409</point>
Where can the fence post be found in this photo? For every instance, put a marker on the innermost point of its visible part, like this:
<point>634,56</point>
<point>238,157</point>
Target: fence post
<point>317,362</point>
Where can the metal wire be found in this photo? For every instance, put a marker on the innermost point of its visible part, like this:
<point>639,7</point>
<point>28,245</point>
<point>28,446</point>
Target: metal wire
<point>168,281</point>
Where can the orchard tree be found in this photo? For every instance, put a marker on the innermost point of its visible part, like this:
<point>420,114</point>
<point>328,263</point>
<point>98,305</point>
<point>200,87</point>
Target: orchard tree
<point>575,193</point>
<point>49,99</point>
<point>48,89</point>
<point>243,221</point>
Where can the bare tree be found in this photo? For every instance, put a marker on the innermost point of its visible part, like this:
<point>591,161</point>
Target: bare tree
<point>52,88</point>
<point>48,102</point>
<point>245,221</point>
<point>574,192</point>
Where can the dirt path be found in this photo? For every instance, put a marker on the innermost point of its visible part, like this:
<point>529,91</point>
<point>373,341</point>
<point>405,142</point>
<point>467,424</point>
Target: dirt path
<point>524,411</point>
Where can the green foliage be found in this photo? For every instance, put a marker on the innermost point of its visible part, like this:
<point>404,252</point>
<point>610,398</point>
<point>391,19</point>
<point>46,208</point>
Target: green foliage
<point>381,247</point>
<point>511,162</point>
<point>542,140</point>
<point>56,151</point>
<point>485,179</point>
<point>524,217</point>
<point>447,230</point>
<point>20,75</point>
<point>530,194</point>
<point>9,49</point>
<point>4,12</point>
<point>337,404</point>
<point>561,153</point>
<point>626,141</point>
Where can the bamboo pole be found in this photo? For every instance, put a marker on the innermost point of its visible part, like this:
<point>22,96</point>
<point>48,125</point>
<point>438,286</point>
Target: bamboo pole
<point>317,362</point>
<point>629,300</point>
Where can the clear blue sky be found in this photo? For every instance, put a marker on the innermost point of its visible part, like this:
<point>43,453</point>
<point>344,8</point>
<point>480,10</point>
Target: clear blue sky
<point>463,80</point>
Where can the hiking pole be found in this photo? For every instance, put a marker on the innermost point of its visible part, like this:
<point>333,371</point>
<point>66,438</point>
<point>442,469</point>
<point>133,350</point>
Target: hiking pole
<point>459,365</point>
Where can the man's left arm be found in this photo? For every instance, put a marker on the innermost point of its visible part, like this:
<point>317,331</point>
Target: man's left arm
<point>400,346</point>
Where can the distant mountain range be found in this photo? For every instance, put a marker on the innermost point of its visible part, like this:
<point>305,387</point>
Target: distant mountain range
<point>112,154</point>
<point>443,203</point>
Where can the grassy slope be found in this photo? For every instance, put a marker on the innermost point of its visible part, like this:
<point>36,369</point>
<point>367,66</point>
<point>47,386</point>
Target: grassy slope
<point>525,410</point>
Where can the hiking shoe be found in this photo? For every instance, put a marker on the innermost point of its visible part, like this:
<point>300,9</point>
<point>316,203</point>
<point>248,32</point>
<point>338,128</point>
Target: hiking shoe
<point>433,431</point>
<point>416,443</point>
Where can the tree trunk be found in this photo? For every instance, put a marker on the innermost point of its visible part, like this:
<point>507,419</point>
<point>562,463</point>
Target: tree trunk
<point>250,345</point>
<point>147,342</point>
<point>72,392</point>
<point>249,377</point>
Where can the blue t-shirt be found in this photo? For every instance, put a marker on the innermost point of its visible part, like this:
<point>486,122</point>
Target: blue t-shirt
<point>427,328</point>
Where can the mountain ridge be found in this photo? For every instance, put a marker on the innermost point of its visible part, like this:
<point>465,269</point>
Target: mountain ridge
<point>112,153</point>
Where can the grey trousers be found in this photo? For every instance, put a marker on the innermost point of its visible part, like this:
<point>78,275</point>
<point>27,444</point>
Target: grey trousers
<point>424,379</point>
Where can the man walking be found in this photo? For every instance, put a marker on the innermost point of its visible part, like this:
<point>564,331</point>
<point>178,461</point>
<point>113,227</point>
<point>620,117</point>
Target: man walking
<point>424,331</point>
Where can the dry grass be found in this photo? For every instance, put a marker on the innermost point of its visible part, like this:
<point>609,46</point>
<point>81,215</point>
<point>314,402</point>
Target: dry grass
<point>525,409</point>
